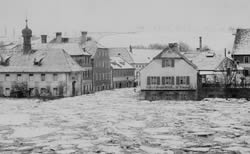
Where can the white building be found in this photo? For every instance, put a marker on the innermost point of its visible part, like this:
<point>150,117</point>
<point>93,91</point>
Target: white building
<point>176,75</point>
<point>168,73</point>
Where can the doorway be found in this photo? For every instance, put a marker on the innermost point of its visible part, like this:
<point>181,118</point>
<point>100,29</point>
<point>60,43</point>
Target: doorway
<point>73,88</point>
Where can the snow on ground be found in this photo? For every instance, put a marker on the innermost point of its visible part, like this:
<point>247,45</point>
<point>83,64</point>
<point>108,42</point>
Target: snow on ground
<point>116,121</point>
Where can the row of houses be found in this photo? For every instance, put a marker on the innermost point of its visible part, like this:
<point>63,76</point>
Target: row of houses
<point>194,75</point>
<point>63,67</point>
<point>69,66</point>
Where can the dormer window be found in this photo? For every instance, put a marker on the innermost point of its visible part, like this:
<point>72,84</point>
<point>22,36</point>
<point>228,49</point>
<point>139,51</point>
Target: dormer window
<point>38,60</point>
<point>5,60</point>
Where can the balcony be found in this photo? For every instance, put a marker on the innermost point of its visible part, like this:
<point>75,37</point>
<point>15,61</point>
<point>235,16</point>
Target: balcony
<point>170,87</point>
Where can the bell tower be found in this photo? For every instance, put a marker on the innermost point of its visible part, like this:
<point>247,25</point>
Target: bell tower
<point>27,34</point>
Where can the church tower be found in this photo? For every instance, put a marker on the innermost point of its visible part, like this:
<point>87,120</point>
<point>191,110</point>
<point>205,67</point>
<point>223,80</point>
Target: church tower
<point>27,34</point>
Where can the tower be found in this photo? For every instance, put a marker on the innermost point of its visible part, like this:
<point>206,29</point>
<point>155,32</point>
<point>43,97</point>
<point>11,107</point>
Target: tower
<point>27,34</point>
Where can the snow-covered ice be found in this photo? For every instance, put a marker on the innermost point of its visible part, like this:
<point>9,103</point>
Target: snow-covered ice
<point>117,121</point>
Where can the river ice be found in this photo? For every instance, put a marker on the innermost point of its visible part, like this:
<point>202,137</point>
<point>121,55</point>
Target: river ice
<point>117,121</point>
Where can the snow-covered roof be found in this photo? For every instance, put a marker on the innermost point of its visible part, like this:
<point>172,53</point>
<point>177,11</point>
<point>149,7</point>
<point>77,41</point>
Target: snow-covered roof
<point>144,55</point>
<point>242,42</point>
<point>119,63</point>
<point>91,47</point>
<point>204,60</point>
<point>121,52</point>
<point>173,52</point>
<point>73,49</point>
<point>52,60</point>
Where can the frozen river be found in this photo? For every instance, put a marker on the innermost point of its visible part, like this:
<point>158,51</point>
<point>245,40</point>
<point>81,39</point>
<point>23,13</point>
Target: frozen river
<point>117,122</point>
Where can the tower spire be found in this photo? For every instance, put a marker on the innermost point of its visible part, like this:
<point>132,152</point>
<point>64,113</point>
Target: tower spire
<point>26,20</point>
<point>27,34</point>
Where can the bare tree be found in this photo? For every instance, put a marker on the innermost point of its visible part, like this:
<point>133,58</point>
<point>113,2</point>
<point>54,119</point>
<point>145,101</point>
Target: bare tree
<point>184,47</point>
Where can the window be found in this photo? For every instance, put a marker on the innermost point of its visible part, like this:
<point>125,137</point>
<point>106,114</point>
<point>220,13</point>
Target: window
<point>169,80</point>
<point>182,80</point>
<point>42,77</point>
<point>55,77</point>
<point>19,77</point>
<point>246,59</point>
<point>7,77</point>
<point>167,62</point>
<point>31,77</point>
<point>153,80</point>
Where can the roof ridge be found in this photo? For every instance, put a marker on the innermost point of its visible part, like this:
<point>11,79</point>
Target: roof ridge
<point>177,52</point>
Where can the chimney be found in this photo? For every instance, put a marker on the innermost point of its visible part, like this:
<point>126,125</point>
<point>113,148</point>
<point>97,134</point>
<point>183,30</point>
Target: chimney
<point>83,37</point>
<point>174,46</point>
<point>43,38</point>
<point>225,52</point>
<point>58,37</point>
<point>130,49</point>
<point>200,47</point>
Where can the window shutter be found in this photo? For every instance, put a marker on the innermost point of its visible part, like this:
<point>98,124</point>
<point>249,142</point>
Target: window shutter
<point>148,80</point>
<point>163,64</point>
<point>172,80</point>
<point>188,80</point>
<point>172,62</point>
<point>158,80</point>
<point>163,80</point>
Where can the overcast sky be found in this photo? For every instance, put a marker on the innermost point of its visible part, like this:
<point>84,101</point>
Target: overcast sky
<point>47,16</point>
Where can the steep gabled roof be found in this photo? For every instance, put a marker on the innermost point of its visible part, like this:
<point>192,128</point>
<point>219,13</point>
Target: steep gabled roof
<point>53,60</point>
<point>242,42</point>
<point>174,53</point>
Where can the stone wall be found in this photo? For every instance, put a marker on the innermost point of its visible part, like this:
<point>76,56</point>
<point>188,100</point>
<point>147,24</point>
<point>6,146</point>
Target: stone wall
<point>169,95</point>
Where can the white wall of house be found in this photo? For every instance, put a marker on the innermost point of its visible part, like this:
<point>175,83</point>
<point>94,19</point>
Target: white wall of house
<point>54,82</point>
<point>181,68</point>
<point>33,80</point>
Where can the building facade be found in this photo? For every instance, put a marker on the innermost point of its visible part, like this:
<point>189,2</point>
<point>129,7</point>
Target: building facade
<point>173,75</point>
<point>74,48</point>
<point>169,76</point>
<point>122,73</point>
<point>101,70</point>
<point>241,53</point>
<point>39,72</point>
